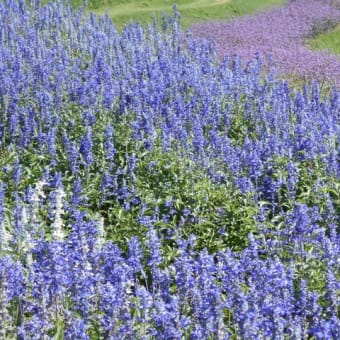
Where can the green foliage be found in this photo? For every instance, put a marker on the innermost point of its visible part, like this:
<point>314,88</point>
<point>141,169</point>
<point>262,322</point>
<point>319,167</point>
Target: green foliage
<point>329,41</point>
<point>216,213</point>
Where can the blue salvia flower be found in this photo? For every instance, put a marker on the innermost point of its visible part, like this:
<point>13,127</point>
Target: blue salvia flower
<point>86,146</point>
<point>207,303</point>
<point>154,245</point>
<point>145,305</point>
<point>166,315</point>
<point>72,154</point>
<point>135,255</point>
<point>12,286</point>
<point>17,172</point>
<point>3,232</point>
<point>81,252</point>
<point>13,125</point>
<point>106,186</point>
<point>110,150</point>
<point>77,329</point>
<point>35,328</point>
<point>89,118</point>
<point>292,178</point>
<point>77,197</point>
<point>332,293</point>
<point>51,142</point>
<point>12,279</point>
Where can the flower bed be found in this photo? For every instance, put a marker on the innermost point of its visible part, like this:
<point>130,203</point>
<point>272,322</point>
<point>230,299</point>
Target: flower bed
<point>149,191</point>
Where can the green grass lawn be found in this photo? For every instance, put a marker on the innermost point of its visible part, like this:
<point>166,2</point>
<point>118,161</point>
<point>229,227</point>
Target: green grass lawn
<point>329,41</point>
<point>122,12</point>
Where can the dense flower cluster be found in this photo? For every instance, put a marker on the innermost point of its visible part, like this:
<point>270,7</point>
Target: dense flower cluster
<point>149,191</point>
<point>281,35</point>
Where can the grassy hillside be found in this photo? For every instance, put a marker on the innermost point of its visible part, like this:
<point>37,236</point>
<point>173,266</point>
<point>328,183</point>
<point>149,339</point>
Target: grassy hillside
<point>328,41</point>
<point>192,10</point>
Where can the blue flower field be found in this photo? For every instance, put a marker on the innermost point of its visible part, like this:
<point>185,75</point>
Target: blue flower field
<point>151,190</point>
